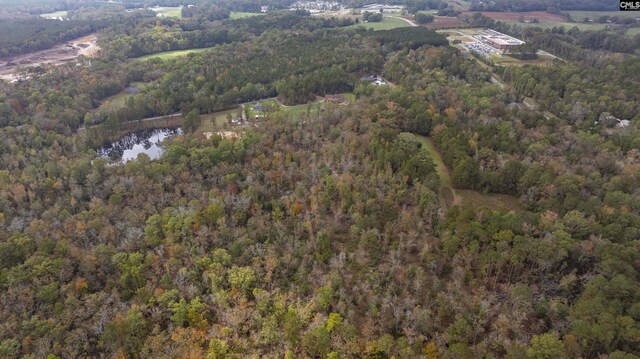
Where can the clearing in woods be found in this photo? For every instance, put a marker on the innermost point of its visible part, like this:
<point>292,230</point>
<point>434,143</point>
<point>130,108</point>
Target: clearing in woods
<point>57,55</point>
<point>168,11</point>
<point>387,23</point>
<point>56,15</point>
<point>449,196</point>
<point>171,54</point>
<point>241,15</point>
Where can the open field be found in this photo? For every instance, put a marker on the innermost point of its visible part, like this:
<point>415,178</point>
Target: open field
<point>387,23</point>
<point>168,11</point>
<point>57,55</point>
<point>444,22</point>
<point>566,25</point>
<point>172,54</point>
<point>240,15</point>
<point>515,16</point>
<point>56,15</point>
<point>633,31</point>
<point>511,61</point>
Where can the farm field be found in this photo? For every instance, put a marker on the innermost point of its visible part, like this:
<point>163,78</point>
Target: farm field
<point>515,16</point>
<point>548,20</point>
<point>171,54</point>
<point>56,15</point>
<point>168,11</point>
<point>387,23</point>
<point>241,15</point>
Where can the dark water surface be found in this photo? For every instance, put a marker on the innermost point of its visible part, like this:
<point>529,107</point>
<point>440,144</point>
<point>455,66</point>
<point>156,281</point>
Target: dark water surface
<point>133,144</point>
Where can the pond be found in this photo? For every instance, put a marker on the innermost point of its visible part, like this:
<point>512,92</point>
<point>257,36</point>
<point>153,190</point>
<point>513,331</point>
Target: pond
<point>145,141</point>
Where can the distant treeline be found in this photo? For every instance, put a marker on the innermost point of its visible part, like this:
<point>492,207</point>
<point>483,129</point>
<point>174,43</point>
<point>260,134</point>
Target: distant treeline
<point>18,37</point>
<point>134,39</point>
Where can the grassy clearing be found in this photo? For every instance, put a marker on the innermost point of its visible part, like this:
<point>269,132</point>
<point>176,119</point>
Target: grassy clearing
<point>450,196</point>
<point>387,23</point>
<point>119,100</point>
<point>217,121</point>
<point>498,202</point>
<point>55,15</point>
<point>115,101</point>
<point>430,147</point>
<point>169,12</point>
<point>242,15</point>
<point>633,31</point>
<point>296,113</point>
<point>172,54</point>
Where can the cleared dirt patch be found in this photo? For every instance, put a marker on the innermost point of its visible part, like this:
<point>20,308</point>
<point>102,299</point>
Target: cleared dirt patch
<point>56,55</point>
<point>514,16</point>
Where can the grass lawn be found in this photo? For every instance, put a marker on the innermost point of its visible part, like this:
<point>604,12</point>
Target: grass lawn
<point>297,112</point>
<point>241,15</point>
<point>170,12</point>
<point>633,31</point>
<point>387,23</point>
<point>502,58</point>
<point>217,121</point>
<point>55,15</point>
<point>172,54</point>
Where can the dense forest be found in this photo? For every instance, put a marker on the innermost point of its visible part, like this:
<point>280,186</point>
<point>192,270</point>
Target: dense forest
<point>436,217</point>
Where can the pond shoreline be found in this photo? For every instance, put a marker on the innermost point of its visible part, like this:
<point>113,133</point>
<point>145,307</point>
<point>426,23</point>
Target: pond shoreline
<point>102,134</point>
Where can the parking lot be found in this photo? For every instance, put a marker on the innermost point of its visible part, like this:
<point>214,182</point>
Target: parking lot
<point>481,48</point>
